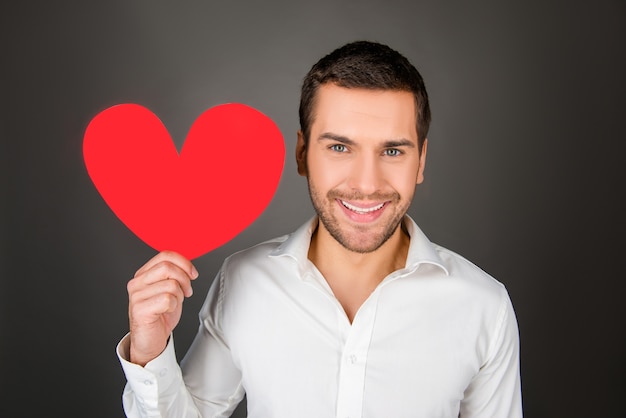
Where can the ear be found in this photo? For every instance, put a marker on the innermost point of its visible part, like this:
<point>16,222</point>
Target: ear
<point>420,169</point>
<point>301,154</point>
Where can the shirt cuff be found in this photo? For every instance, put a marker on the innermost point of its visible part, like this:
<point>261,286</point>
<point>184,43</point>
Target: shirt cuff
<point>151,382</point>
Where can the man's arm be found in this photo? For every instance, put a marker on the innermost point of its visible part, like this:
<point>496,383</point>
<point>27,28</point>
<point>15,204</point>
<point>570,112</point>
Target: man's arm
<point>211,386</point>
<point>156,389</point>
<point>155,385</point>
<point>496,390</point>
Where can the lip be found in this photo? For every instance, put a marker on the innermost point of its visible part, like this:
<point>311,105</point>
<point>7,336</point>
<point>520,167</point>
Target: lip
<point>369,211</point>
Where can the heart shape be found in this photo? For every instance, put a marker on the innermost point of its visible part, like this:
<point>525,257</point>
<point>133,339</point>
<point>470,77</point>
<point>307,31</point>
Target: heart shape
<point>193,202</point>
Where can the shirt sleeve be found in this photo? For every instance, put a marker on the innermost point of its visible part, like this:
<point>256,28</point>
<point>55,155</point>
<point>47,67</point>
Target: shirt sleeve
<point>208,368</point>
<point>496,389</point>
<point>156,390</point>
<point>206,384</point>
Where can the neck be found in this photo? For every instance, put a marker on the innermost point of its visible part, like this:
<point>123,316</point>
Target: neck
<point>333,259</point>
<point>354,276</point>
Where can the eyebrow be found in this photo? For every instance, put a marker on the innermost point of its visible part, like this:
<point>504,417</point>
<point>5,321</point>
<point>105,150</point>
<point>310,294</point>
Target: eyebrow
<point>392,143</point>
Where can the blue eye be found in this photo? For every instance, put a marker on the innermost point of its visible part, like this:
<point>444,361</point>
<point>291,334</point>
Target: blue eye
<point>338,148</point>
<point>392,152</point>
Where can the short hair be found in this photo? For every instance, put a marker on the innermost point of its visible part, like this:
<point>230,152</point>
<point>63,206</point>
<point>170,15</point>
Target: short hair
<point>369,65</point>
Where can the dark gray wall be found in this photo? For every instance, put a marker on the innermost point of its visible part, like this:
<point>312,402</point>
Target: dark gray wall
<point>522,174</point>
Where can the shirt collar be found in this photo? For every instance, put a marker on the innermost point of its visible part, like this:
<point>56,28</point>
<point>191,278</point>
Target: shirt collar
<point>421,250</point>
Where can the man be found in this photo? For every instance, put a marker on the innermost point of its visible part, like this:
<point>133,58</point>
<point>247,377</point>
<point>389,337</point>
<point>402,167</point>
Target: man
<point>355,314</point>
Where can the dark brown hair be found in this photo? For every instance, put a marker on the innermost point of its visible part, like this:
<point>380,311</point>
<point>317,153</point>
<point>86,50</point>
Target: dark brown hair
<point>369,65</point>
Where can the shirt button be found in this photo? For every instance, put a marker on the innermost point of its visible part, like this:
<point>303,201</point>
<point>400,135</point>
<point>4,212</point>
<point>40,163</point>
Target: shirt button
<point>147,382</point>
<point>163,372</point>
<point>352,359</point>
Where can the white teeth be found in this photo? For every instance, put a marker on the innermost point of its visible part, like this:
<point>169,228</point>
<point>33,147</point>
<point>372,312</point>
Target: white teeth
<point>362,210</point>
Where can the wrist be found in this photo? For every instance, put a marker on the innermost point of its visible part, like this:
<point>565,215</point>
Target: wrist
<point>143,357</point>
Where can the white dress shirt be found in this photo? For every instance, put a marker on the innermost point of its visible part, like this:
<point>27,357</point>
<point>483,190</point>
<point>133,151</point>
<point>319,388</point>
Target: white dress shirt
<point>438,338</point>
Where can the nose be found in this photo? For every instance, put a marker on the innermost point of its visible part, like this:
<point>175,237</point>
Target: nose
<point>366,175</point>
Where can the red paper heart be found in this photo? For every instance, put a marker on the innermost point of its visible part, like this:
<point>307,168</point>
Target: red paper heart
<point>224,178</point>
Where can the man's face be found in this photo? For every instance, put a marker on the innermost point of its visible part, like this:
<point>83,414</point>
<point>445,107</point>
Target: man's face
<point>362,163</point>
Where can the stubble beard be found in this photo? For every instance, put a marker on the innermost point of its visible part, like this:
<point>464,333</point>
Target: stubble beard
<point>323,207</point>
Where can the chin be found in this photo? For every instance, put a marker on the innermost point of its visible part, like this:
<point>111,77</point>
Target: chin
<point>361,243</point>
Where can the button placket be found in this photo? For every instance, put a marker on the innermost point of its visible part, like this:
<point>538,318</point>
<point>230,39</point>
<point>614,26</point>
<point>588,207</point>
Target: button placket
<point>354,359</point>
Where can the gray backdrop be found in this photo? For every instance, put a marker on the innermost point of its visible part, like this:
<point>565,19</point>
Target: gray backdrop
<point>522,174</point>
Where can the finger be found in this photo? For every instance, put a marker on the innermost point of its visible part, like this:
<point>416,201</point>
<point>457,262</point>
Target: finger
<point>172,257</point>
<point>150,309</point>
<point>167,287</point>
<point>162,271</point>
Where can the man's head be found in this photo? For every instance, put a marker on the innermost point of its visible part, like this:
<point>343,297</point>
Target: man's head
<point>366,65</point>
<point>363,143</point>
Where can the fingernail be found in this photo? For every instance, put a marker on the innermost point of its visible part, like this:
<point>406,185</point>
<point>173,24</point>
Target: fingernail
<point>194,272</point>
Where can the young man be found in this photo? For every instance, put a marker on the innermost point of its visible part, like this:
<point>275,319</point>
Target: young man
<point>355,314</point>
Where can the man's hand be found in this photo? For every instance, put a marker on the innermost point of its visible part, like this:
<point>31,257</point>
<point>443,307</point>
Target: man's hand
<point>155,303</point>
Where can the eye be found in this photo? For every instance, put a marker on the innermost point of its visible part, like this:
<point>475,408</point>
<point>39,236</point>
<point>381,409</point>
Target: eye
<point>338,148</point>
<point>392,152</point>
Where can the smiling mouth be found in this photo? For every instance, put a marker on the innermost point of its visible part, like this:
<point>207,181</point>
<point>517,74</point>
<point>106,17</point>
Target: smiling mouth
<point>362,211</point>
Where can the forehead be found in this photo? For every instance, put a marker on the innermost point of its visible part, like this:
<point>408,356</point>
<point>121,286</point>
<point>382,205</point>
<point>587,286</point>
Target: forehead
<point>357,111</point>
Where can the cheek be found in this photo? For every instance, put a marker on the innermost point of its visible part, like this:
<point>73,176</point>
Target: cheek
<point>403,180</point>
<point>326,174</point>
